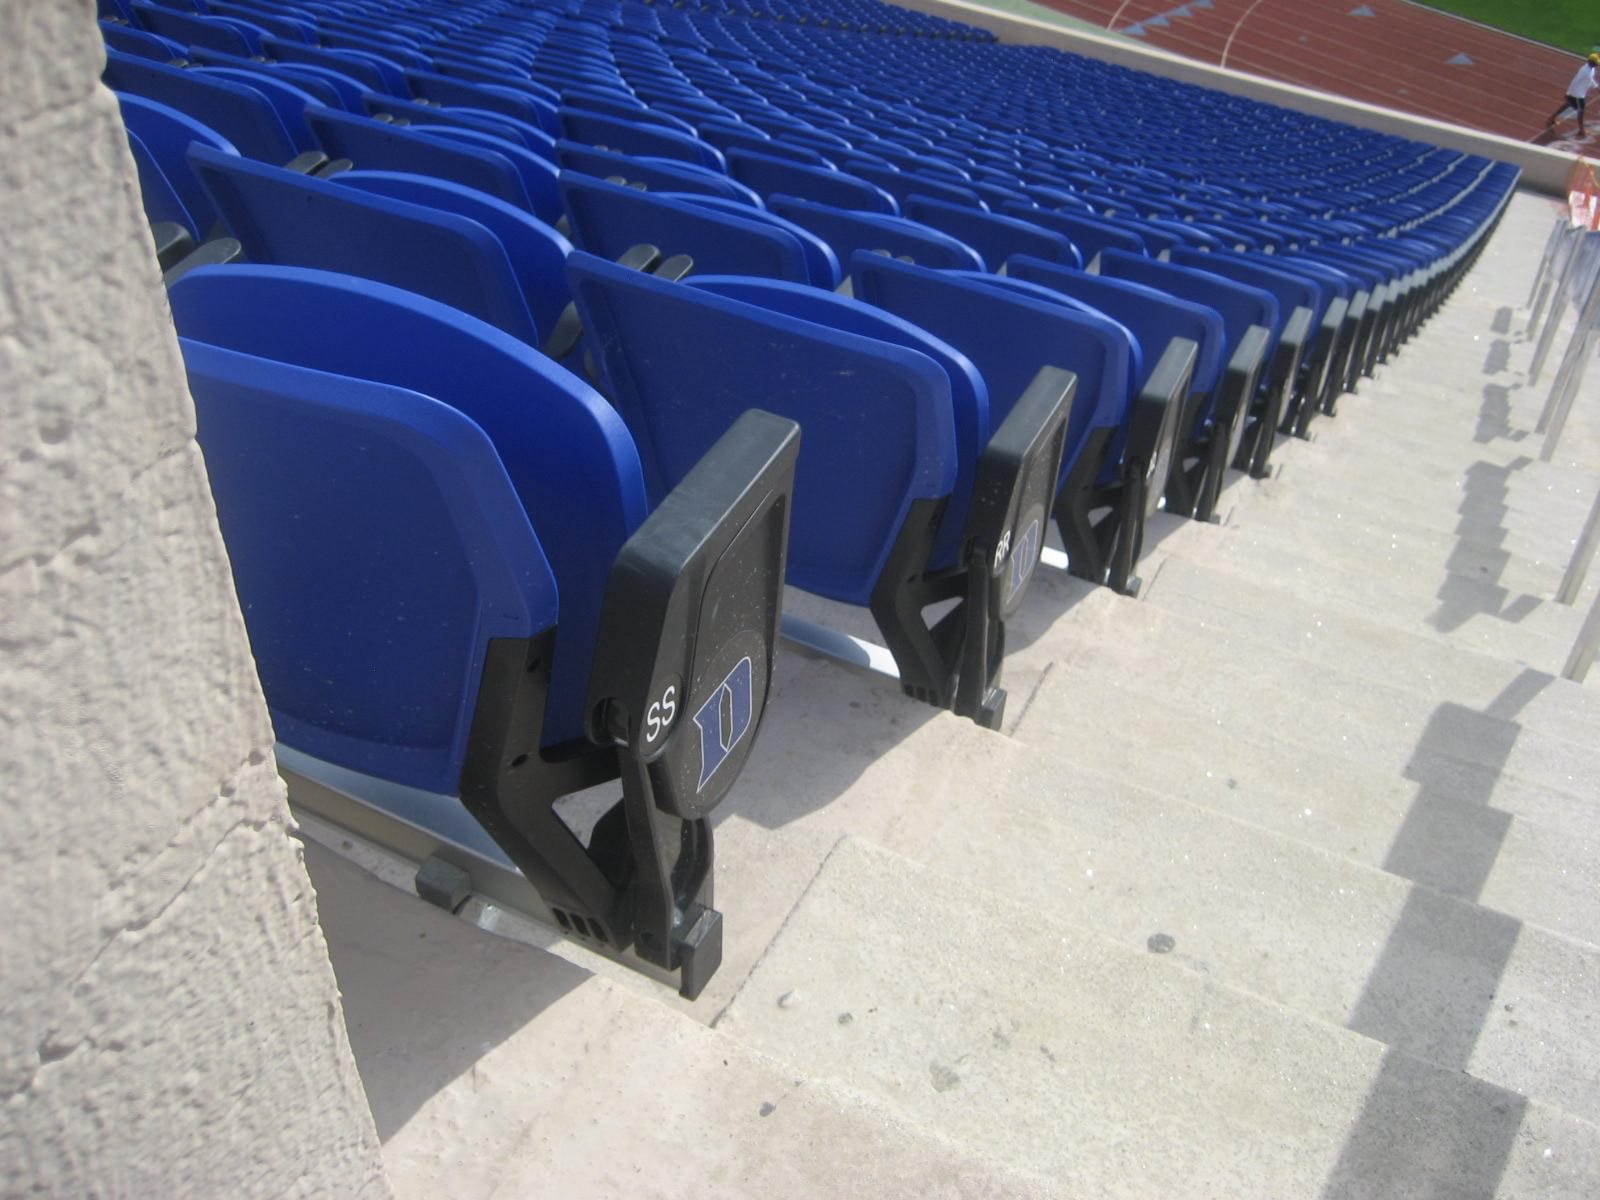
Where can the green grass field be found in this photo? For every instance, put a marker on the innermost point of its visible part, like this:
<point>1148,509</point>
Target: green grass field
<point>1568,24</point>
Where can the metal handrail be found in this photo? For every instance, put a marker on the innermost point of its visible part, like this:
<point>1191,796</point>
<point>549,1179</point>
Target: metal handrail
<point>1582,556</point>
<point>1583,650</point>
<point>1577,279</point>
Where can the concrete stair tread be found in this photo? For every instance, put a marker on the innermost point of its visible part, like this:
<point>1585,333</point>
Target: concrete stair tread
<point>1542,536</point>
<point>1330,938</point>
<point>1533,728</point>
<point>1528,854</point>
<point>1074,1058</point>
<point>1482,613</point>
<point>496,1069</point>
<point>1329,631</point>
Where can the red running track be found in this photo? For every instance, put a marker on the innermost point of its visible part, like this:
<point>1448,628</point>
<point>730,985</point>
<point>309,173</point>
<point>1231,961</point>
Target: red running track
<point>1385,52</point>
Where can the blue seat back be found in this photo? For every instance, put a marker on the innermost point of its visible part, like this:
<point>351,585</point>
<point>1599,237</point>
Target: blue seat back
<point>239,113</point>
<point>1089,234</point>
<point>657,174</point>
<point>161,202</point>
<point>445,89</point>
<point>847,231</point>
<point>1009,337</point>
<point>1152,316</point>
<point>1291,290</point>
<point>139,42</point>
<point>193,29</point>
<point>634,137</point>
<point>538,173</point>
<point>995,237</point>
<point>166,135</point>
<point>376,146</point>
<point>376,545</point>
<point>536,252</point>
<point>681,363</point>
<point>902,185</point>
<point>287,97</point>
<point>969,395</point>
<point>1240,304</point>
<point>565,450</point>
<point>822,264</point>
<point>608,219</point>
<point>768,175</point>
<point>287,219</point>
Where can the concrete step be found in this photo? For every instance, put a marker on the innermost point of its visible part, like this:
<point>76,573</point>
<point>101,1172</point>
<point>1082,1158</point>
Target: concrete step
<point>496,1069</point>
<point>1486,614</point>
<point>1114,1072</point>
<point>1539,728</point>
<point>1350,539</point>
<point>1329,631</point>
<point>1529,854</point>
<point>1438,977</point>
<point>1491,513</point>
<point>1547,534</point>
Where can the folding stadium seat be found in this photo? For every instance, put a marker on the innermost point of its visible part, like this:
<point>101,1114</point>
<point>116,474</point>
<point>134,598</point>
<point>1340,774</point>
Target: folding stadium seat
<point>140,43</point>
<point>1249,316</point>
<point>418,115</point>
<point>423,482</point>
<point>241,114</point>
<point>902,185</point>
<point>162,136</point>
<point>390,227</point>
<point>513,102</point>
<point>218,33</point>
<point>464,156</point>
<point>378,73</point>
<point>1307,331</point>
<point>846,231</point>
<point>1088,233</point>
<point>1156,319</point>
<point>653,174</point>
<point>1124,426</point>
<point>768,175</point>
<point>918,484</point>
<point>720,237</point>
<point>636,137</point>
<point>994,236</point>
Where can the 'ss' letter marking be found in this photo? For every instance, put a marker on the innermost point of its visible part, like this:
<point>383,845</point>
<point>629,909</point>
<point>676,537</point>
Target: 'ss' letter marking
<point>725,718</point>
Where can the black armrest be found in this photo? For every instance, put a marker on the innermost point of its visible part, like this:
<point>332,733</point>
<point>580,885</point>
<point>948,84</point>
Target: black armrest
<point>1322,375</point>
<point>682,668</point>
<point>173,243</point>
<point>1013,488</point>
<point>1156,425</point>
<point>1293,344</point>
<point>568,330</point>
<point>1155,430</point>
<point>307,163</point>
<point>212,253</point>
<point>1239,380</point>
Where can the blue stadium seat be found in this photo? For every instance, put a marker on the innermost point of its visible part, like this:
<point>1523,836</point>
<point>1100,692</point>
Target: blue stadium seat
<point>847,231</point>
<point>421,481</point>
<point>1120,439</point>
<point>911,490</point>
<point>608,220</point>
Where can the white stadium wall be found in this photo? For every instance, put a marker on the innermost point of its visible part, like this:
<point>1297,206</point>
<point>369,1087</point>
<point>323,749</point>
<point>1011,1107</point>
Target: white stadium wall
<point>171,1026</point>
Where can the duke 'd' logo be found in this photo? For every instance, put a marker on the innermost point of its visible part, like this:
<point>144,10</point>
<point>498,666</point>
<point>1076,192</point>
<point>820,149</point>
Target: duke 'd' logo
<point>1024,556</point>
<point>725,718</point>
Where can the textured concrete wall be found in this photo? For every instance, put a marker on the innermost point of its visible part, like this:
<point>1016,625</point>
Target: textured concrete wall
<point>169,1023</point>
<point>1543,169</point>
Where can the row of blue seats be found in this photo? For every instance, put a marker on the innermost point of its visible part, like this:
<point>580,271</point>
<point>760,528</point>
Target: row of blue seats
<point>951,405</point>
